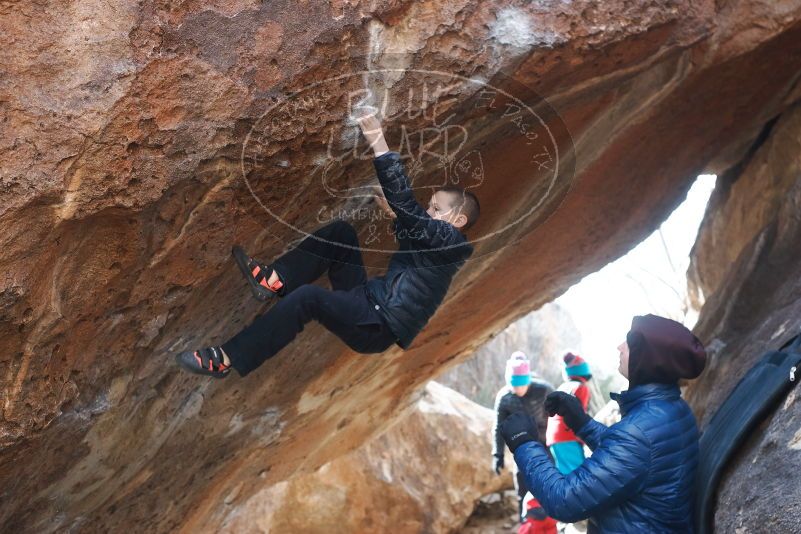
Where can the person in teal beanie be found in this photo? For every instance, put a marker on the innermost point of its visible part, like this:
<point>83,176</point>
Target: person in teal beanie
<point>567,449</point>
<point>522,393</point>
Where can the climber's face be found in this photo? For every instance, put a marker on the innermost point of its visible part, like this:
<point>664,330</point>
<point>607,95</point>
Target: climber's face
<point>520,390</point>
<point>623,349</point>
<point>441,207</point>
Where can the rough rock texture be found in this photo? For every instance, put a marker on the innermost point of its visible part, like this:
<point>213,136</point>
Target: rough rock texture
<point>133,134</point>
<point>425,474</point>
<point>747,262</point>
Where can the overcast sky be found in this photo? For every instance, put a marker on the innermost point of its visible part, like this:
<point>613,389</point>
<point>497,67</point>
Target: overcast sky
<point>646,280</point>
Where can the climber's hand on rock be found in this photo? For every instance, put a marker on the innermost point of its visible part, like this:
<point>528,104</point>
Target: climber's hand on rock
<point>517,429</point>
<point>569,407</point>
<point>497,464</point>
<point>373,134</point>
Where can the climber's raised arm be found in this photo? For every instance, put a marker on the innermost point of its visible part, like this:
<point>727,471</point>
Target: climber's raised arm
<point>450,210</point>
<point>392,176</point>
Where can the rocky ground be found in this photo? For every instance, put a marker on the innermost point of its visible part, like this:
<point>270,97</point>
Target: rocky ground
<point>494,514</point>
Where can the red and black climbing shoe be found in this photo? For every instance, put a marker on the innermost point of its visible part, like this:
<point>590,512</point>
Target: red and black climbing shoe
<point>257,274</point>
<point>207,362</point>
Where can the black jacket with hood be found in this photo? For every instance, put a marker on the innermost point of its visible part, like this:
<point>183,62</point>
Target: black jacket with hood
<point>532,403</point>
<point>420,272</point>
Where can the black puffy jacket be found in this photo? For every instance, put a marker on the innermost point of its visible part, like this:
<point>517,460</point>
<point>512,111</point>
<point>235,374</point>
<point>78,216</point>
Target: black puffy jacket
<point>532,403</point>
<point>420,272</point>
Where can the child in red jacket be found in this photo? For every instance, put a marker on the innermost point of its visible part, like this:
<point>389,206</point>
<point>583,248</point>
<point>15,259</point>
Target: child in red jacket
<point>567,449</point>
<point>536,521</point>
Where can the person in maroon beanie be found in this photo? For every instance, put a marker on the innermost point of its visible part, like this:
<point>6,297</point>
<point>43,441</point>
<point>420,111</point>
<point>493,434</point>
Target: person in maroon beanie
<point>640,476</point>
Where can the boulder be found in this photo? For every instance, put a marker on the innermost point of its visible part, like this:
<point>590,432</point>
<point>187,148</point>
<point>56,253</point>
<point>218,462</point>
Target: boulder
<point>424,474</point>
<point>747,264</point>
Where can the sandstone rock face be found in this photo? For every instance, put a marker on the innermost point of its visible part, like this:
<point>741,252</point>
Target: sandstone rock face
<point>748,264</point>
<point>138,141</point>
<point>424,474</point>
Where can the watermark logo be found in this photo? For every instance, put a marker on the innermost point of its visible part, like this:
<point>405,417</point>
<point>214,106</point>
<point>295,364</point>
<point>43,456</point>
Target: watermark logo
<point>306,162</point>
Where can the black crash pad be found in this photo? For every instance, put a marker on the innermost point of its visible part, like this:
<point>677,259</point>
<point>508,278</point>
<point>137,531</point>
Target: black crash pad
<point>754,398</point>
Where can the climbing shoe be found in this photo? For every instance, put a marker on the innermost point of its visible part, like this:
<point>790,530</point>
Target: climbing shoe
<point>257,275</point>
<point>207,362</point>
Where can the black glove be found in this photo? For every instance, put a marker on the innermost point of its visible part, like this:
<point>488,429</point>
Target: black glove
<point>517,429</point>
<point>569,407</point>
<point>497,464</point>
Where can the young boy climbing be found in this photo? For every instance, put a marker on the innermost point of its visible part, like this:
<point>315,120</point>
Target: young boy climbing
<point>367,315</point>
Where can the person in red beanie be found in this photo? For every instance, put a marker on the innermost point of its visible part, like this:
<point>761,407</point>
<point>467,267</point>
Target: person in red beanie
<point>641,474</point>
<point>568,450</point>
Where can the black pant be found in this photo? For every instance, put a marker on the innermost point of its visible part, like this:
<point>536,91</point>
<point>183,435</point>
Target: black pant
<point>345,311</point>
<point>520,486</point>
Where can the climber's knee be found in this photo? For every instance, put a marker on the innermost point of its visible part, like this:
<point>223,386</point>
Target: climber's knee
<point>341,232</point>
<point>305,300</point>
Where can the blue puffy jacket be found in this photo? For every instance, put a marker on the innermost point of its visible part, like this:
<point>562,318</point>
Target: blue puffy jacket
<point>640,475</point>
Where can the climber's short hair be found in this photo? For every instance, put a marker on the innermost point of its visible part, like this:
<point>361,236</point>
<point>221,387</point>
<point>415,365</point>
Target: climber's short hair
<point>464,200</point>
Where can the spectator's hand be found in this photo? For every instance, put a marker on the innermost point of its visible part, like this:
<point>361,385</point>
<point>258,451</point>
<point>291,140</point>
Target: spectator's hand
<point>517,429</point>
<point>373,134</point>
<point>497,464</point>
<point>569,407</point>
